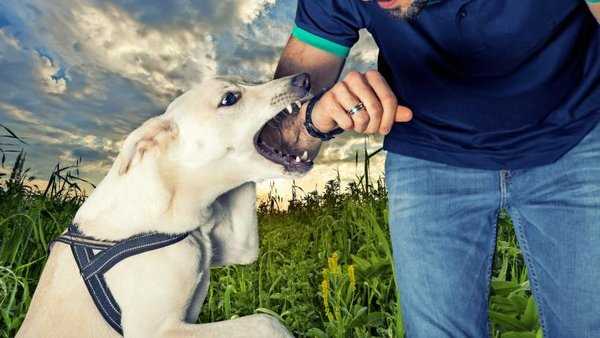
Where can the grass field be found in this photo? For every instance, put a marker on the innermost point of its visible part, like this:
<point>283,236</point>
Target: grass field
<point>324,268</point>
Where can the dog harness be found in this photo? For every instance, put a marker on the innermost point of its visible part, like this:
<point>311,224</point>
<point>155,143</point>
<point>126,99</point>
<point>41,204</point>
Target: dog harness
<point>95,257</point>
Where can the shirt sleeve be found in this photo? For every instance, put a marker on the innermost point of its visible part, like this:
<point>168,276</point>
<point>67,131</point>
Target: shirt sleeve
<point>330,25</point>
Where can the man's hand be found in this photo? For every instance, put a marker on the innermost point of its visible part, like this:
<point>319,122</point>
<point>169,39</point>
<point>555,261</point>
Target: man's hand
<point>370,88</point>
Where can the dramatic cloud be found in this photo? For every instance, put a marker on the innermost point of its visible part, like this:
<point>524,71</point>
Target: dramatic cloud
<point>78,75</point>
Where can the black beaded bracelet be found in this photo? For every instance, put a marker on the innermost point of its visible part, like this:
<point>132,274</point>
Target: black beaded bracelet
<point>310,127</point>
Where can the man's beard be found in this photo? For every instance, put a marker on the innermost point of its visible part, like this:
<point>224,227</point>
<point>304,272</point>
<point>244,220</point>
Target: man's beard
<point>411,11</point>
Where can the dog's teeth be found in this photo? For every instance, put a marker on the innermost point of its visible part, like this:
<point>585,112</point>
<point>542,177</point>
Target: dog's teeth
<point>304,156</point>
<point>289,109</point>
<point>297,159</point>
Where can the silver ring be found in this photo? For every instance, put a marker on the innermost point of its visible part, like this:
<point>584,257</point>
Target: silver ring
<point>358,108</point>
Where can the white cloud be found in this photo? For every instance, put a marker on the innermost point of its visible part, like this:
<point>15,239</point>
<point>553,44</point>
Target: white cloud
<point>46,72</point>
<point>249,10</point>
<point>18,114</point>
<point>110,38</point>
<point>348,145</point>
<point>164,53</point>
<point>9,40</point>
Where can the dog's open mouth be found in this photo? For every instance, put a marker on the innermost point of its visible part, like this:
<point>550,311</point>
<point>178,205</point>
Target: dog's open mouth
<point>282,141</point>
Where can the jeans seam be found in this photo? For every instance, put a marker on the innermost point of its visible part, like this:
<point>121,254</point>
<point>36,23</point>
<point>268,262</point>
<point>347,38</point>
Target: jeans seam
<point>518,225</point>
<point>504,193</point>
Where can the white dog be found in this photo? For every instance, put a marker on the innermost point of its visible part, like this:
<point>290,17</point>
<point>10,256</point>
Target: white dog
<point>189,170</point>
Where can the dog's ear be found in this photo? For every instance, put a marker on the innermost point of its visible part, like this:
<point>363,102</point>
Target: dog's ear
<point>156,133</point>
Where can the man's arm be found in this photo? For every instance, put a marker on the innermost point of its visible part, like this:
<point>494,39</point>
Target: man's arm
<point>595,8</point>
<point>298,57</point>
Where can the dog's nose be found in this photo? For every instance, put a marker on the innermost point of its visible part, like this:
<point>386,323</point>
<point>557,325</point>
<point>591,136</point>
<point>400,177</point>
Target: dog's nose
<point>302,81</point>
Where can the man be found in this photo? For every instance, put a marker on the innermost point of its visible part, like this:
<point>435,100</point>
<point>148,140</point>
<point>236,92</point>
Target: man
<point>486,104</point>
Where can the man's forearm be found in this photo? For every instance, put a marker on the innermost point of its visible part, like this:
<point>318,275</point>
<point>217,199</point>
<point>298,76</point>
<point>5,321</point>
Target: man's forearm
<point>297,57</point>
<point>323,68</point>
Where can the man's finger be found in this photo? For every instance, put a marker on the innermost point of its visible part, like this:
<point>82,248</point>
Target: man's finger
<point>339,114</point>
<point>361,121</point>
<point>358,85</point>
<point>387,98</point>
<point>344,97</point>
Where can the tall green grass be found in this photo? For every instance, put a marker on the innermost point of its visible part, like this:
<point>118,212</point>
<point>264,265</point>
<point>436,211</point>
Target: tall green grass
<point>324,267</point>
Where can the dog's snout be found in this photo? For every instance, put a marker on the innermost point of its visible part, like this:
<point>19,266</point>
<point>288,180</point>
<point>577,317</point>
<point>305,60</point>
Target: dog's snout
<point>301,81</point>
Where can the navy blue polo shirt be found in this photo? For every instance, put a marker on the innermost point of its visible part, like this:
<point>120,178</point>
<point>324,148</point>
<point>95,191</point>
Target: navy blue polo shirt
<point>493,84</point>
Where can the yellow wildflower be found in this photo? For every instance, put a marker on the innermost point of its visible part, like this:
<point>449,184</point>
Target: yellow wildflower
<point>333,263</point>
<point>325,291</point>
<point>352,276</point>
<point>325,273</point>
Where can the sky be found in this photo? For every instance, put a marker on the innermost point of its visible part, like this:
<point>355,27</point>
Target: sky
<point>76,76</point>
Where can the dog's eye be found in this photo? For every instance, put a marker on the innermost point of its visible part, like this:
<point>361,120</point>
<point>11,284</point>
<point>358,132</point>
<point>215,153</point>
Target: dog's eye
<point>229,99</point>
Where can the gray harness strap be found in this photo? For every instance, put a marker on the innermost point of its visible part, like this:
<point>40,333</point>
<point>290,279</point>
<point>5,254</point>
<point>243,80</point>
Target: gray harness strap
<point>95,257</point>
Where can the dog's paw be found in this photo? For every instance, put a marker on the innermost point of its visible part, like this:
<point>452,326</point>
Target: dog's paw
<point>272,327</point>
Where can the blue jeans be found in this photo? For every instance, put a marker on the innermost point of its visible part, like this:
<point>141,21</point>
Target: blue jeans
<point>443,228</point>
